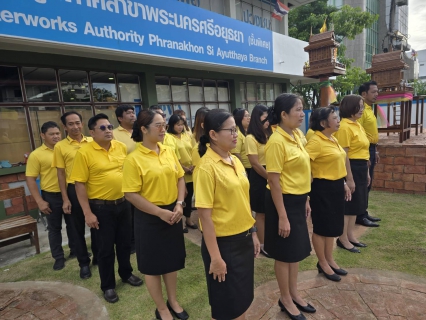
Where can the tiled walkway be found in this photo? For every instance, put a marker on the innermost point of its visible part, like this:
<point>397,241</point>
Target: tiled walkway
<point>363,294</point>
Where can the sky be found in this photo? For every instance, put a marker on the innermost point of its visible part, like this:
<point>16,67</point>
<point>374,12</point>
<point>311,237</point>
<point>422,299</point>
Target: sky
<point>417,24</point>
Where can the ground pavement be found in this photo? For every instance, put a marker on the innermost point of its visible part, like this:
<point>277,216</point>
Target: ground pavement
<point>363,294</point>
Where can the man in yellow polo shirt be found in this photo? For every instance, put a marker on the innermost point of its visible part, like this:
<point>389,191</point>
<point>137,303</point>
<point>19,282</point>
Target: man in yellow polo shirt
<point>126,118</point>
<point>98,175</point>
<point>63,159</point>
<point>39,164</point>
<point>369,92</point>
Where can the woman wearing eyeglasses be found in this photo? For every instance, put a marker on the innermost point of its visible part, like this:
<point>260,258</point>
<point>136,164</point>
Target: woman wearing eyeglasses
<point>258,134</point>
<point>354,141</point>
<point>183,143</point>
<point>287,202</point>
<point>153,181</point>
<point>229,242</point>
<point>242,120</point>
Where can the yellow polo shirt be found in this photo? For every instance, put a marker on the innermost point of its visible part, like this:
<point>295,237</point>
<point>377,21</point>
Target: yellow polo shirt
<point>369,122</point>
<point>195,155</point>
<point>170,141</point>
<point>125,137</point>
<point>253,147</point>
<point>154,176</point>
<point>328,159</point>
<point>184,147</point>
<point>309,134</point>
<point>241,149</point>
<point>288,157</point>
<point>224,188</point>
<point>39,163</point>
<point>64,154</point>
<point>352,135</point>
<point>301,136</point>
<point>100,170</point>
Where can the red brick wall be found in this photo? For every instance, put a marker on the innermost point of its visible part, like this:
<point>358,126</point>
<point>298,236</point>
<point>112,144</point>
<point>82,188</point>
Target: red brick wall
<point>401,169</point>
<point>17,205</point>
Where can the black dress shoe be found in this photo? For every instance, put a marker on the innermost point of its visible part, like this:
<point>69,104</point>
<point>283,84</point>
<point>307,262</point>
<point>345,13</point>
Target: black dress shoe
<point>59,264</point>
<point>332,277</point>
<point>340,272</point>
<point>111,296</point>
<point>300,316</point>
<point>85,272</point>
<point>134,281</point>
<point>367,223</point>
<point>373,219</point>
<point>359,244</point>
<point>181,315</point>
<point>191,226</point>
<point>308,308</point>
<point>353,249</point>
<point>185,230</point>
<point>157,315</point>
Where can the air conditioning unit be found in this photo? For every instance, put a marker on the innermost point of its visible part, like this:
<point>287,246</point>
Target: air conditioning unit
<point>401,3</point>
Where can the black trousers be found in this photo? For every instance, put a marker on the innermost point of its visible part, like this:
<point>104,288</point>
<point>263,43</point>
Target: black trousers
<point>79,228</point>
<point>115,224</point>
<point>54,224</point>
<point>372,150</point>
<point>188,199</point>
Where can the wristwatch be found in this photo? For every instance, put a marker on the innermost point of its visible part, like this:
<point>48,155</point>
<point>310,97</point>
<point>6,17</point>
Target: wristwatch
<point>252,229</point>
<point>182,203</point>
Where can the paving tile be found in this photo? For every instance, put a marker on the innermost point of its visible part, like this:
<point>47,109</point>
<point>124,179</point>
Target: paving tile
<point>29,304</point>
<point>345,286</point>
<point>414,286</point>
<point>316,282</point>
<point>27,316</point>
<point>354,301</point>
<point>368,287</point>
<point>12,313</point>
<point>395,304</point>
<point>417,297</point>
<point>379,280</point>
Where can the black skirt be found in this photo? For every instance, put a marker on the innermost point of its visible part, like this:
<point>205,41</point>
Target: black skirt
<point>160,247</point>
<point>358,204</point>
<point>257,191</point>
<point>297,245</point>
<point>328,207</point>
<point>231,298</point>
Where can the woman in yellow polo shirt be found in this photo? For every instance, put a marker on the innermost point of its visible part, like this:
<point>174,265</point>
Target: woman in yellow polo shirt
<point>153,182</point>
<point>187,130</point>
<point>328,190</point>
<point>242,120</point>
<point>183,143</point>
<point>258,134</point>
<point>229,242</point>
<point>198,131</point>
<point>354,141</point>
<point>286,201</point>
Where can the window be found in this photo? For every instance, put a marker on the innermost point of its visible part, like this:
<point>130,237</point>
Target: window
<point>257,13</point>
<point>259,93</point>
<point>10,88</point>
<point>191,94</point>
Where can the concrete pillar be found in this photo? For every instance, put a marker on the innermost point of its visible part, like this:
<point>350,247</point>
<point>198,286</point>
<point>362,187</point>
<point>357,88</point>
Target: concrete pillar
<point>148,89</point>
<point>230,9</point>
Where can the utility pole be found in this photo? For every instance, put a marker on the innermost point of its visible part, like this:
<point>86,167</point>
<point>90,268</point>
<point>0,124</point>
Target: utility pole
<point>392,12</point>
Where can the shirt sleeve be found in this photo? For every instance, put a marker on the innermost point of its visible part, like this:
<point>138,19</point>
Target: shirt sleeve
<point>313,148</point>
<point>58,160</point>
<point>251,145</point>
<point>132,176</point>
<point>181,173</point>
<point>33,166</point>
<point>204,189</point>
<point>343,136</point>
<point>80,169</point>
<point>275,157</point>
<point>240,140</point>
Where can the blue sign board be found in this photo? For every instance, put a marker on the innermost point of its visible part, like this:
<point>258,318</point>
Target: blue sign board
<point>166,28</point>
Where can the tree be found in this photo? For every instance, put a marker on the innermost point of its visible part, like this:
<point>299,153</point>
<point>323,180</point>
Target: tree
<point>346,22</point>
<point>419,87</point>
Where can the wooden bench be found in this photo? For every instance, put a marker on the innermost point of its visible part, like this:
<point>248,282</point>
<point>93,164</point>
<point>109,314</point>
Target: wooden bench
<point>18,228</point>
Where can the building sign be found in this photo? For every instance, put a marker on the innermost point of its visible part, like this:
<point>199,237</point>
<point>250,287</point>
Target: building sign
<point>164,28</point>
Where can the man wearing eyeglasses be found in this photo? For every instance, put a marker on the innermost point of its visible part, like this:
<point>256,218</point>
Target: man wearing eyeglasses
<point>98,175</point>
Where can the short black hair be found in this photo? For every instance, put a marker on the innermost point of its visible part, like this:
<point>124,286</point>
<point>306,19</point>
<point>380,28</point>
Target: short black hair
<point>155,107</point>
<point>366,86</point>
<point>93,120</point>
<point>172,121</point>
<point>47,125</point>
<point>319,115</point>
<point>66,114</point>
<point>121,109</point>
<point>349,105</point>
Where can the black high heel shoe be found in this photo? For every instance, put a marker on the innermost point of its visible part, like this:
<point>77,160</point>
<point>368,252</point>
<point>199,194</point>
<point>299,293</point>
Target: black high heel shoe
<point>157,315</point>
<point>181,315</point>
<point>332,277</point>
<point>308,308</point>
<point>353,249</point>
<point>300,316</point>
<point>340,272</point>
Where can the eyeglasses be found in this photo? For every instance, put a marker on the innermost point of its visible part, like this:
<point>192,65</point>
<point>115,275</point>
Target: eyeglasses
<point>232,130</point>
<point>160,125</point>
<point>109,127</point>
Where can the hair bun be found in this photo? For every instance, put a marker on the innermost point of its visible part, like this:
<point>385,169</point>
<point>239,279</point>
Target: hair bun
<point>204,139</point>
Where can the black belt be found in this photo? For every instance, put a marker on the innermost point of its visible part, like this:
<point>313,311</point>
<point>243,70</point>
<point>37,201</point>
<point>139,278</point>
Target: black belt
<point>107,202</point>
<point>373,144</point>
<point>52,193</point>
